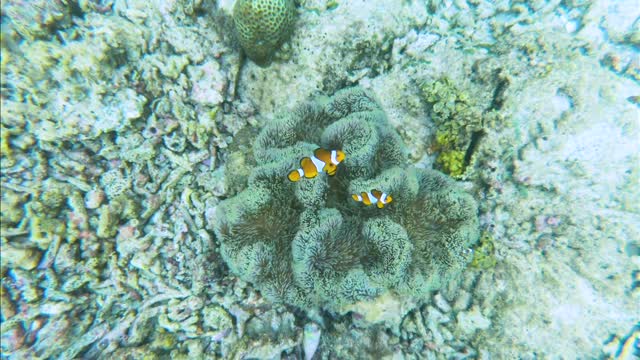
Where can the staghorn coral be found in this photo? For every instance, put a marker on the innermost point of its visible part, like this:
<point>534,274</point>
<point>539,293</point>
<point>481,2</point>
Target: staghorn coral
<point>309,244</point>
<point>262,25</point>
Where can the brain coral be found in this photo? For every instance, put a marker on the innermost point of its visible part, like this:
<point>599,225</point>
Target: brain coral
<point>309,244</point>
<point>262,25</point>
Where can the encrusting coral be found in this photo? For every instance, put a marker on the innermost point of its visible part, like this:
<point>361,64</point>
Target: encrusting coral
<point>309,244</point>
<point>262,25</point>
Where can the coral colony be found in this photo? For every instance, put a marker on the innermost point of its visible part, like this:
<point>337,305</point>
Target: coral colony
<point>262,25</point>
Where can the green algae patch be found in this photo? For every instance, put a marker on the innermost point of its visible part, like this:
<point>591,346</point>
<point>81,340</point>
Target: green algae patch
<point>452,162</point>
<point>458,119</point>
<point>484,254</point>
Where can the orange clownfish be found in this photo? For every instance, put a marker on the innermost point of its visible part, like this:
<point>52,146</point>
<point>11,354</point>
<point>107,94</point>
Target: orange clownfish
<point>373,197</point>
<point>322,160</point>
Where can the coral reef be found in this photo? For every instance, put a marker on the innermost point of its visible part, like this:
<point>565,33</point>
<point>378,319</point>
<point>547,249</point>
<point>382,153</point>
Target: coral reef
<point>37,19</point>
<point>262,26</point>
<point>331,48</point>
<point>456,118</point>
<point>104,251</point>
<point>306,244</point>
<point>125,123</point>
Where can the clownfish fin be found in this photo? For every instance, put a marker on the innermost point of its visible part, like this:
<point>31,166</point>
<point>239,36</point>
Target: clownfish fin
<point>294,175</point>
<point>376,193</point>
<point>380,204</point>
<point>309,168</point>
<point>322,154</point>
<point>356,197</point>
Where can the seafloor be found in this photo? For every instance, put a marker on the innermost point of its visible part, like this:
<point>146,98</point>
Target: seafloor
<point>118,117</point>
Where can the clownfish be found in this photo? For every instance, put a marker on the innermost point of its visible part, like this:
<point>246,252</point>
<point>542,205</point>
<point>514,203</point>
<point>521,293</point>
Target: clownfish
<point>322,160</point>
<point>373,197</point>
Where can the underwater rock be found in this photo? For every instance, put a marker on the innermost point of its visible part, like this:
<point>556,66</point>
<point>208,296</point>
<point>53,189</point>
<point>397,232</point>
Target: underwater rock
<point>386,309</point>
<point>216,318</point>
<point>23,258</point>
<point>209,83</point>
<point>441,303</point>
<point>13,337</point>
<point>472,320</point>
<point>311,339</point>
<point>94,198</point>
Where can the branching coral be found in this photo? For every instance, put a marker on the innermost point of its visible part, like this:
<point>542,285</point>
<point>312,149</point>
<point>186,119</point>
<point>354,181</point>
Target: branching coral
<point>309,244</point>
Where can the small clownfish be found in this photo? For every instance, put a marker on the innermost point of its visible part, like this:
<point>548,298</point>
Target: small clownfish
<point>373,197</point>
<point>322,160</point>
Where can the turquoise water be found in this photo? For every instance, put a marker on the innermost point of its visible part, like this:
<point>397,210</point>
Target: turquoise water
<point>146,210</point>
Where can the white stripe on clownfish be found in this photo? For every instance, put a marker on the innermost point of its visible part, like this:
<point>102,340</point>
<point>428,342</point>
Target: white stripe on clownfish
<point>373,197</point>
<point>318,163</point>
<point>334,159</point>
